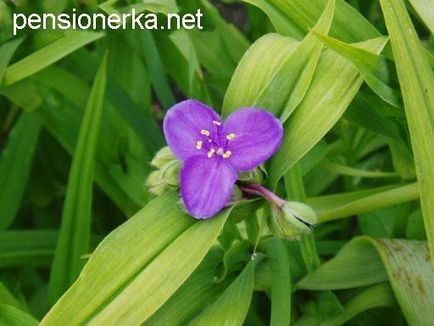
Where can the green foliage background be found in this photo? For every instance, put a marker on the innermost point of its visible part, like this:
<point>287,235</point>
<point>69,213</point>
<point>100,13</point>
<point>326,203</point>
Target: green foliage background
<point>82,241</point>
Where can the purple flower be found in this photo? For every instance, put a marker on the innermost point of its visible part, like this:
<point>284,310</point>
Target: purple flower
<point>213,150</point>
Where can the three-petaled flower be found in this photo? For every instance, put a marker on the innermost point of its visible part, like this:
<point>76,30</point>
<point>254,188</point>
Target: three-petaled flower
<point>213,150</point>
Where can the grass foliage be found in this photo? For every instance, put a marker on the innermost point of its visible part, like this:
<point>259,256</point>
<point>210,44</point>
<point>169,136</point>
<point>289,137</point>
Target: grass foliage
<point>83,241</point>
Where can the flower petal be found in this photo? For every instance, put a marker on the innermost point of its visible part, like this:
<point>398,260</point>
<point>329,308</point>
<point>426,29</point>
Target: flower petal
<point>183,124</point>
<point>257,135</point>
<point>206,185</point>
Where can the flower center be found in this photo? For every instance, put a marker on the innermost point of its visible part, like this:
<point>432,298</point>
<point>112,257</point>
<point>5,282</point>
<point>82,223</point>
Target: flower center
<point>212,142</point>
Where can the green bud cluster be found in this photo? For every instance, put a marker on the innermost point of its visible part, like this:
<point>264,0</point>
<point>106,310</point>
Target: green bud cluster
<point>253,176</point>
<point>290,220</point>
<point>166,177</point>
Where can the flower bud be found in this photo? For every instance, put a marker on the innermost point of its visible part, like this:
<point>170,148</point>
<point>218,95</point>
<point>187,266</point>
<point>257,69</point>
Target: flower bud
<point>236,194</point>
<point>170,173</point>
<point>252,176</point>
<point>291,220</point>
<point>164,179</point>
<point>162,157</point>
<point>155,184</point>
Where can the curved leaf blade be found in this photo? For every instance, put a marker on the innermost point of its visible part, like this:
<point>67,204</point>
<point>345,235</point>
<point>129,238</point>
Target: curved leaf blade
<point>417,85</point>
<point>74,232</point>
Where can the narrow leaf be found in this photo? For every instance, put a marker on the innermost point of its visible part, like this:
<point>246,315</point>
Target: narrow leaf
<point>333,87</point>
<point>48,55</point>
<point>12,316</point>
<point>76,218</point>
<point>343,205</point>
<point>281,288</point>
<point>288,86</point>
<point>417,84</point>
<point>27,248</point>
<point>408,266</point>
<point>122,280</point>
<point>230,309</point>
<point>15,165</point>
<point>371,66</point>
<point>425,10</point>
<point>7,50</point>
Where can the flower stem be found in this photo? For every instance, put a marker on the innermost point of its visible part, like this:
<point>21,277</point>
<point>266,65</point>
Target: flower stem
<point>258,190</point>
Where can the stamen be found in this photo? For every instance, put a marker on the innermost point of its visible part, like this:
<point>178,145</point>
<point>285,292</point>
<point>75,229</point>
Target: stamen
<point>199,145</point>
<point>227,154</point>
<point>230,136</point>
<point>211,153</point>
<point>217,123</point>
<point>205,132</point>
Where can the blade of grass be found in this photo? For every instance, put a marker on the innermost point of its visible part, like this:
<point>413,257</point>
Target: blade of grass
<point>407,264</point>
<point>13,316</point>
<point>48,55</point>
<point>122,257</point>
<point>27,248</point>
<point>343,205</point>
<point>15,165</point>
<point>122,281</point>
<point>417,85</point>
<point>281,287</point>
<point>425,10</point>
<point>232,306</point>
<point>326,303</point>
<point>270,51</point>
<point>375,296</point>
<point>371,66</point>
<point>349,25</point>
<point>333,87</point>
<point>297,72</point>
<point>6,297</point>
<point>76,218</point>
<point>194,295</point>
<point>356,265</point>
<point>7,50</point>
<point>147,49</point>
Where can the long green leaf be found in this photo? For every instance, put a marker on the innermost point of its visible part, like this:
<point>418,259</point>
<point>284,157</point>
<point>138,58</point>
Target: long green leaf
<point>343,205</point>
<point>27,248</point>
<point>417,84</point>
<point>357,264</point>
<point>333,87</point>
<point>290,83</point>
<point>7,50</point>
<point>230,309</point>
<point>408,266</point>
<point>375,296</point>
<point>7,298</point>
<point>15,165</point>
<point>48,55</point>
<point>76,218</point>
<point>281,287</point>
<point>425,10</point>
<point>371,66</point>
<point>12,316</point>
<point>194,295</point>
<point>291,18</point>
<point>148,51</point>
<point>270,51</point>
<point>135,270</point>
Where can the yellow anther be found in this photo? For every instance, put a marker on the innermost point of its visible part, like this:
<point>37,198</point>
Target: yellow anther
<point>230,136</point>
<point>205,132</point>
<point>199,145</point>
<point>227,154</point>
<point>217,123</point>
<point>211,153</point>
